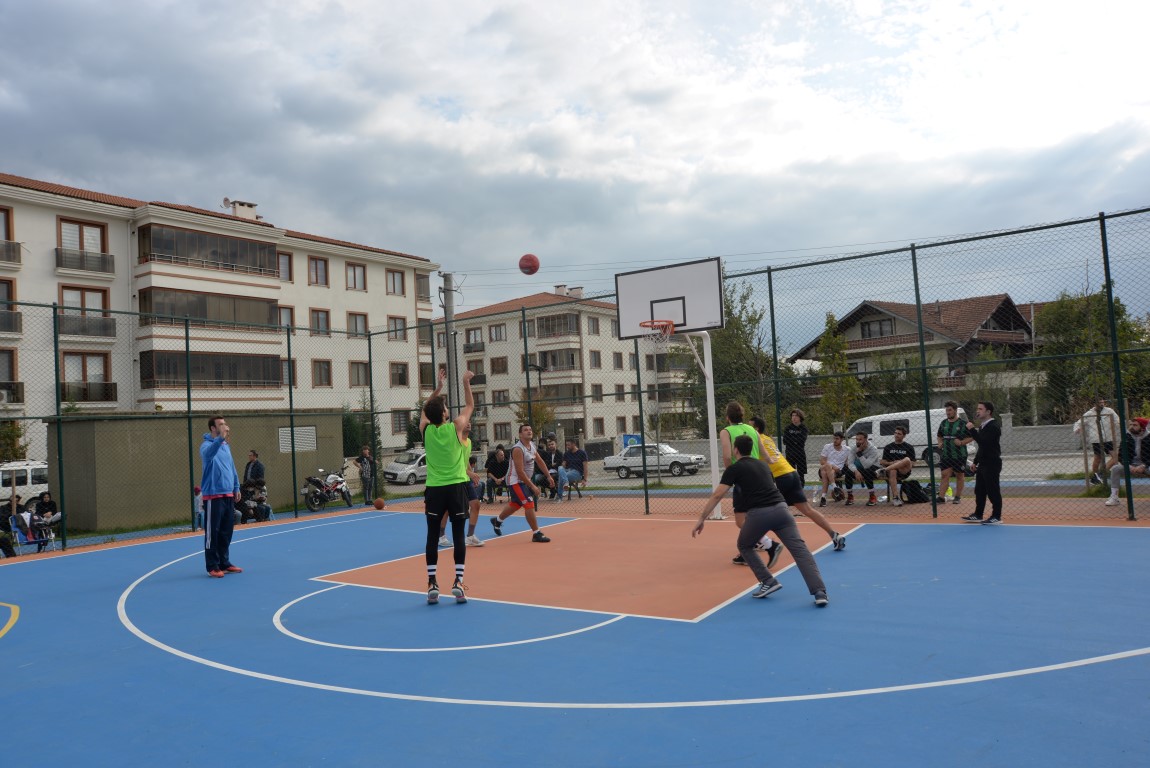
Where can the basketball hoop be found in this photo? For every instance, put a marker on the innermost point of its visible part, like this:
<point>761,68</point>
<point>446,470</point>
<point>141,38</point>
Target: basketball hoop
<point>661,330</point>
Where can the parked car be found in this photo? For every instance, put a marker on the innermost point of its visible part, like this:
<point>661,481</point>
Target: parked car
<point>660,458</point>
<point>880,429</point>
<point>29,477</point>
<point>408,468</point>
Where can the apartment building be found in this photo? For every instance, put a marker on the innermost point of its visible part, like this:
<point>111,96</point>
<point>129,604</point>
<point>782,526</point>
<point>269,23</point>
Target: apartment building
<point>238,278</point>
<point>568,347</point>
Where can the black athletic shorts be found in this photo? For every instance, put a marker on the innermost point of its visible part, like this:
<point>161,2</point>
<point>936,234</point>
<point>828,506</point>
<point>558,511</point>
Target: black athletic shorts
<point>449,499</point>
<point>1098,448</point>
<point>958,465</point>
<point>791,487</point>
<point>472,491</point>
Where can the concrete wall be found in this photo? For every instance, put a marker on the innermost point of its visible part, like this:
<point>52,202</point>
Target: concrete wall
<point>132,471</point>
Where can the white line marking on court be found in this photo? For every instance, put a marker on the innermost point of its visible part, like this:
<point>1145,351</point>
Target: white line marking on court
<point>122,613</point>
<point>277,620</point>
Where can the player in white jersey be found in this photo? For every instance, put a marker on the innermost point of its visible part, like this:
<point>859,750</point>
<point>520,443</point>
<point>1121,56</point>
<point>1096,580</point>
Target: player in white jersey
<point>521,492</point>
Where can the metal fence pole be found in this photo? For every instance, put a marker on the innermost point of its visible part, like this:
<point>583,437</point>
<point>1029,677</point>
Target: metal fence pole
<point>1118,396</point>
<point>643,430</point>
<point>59,429</point>
<point>291,423</point>
<point>526,358</point>
<point>188,411</point>
<point>775,359</point>
<point>925,379</point>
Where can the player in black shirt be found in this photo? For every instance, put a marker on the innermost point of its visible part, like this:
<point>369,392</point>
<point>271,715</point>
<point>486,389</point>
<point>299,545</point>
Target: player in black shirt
<point>897,461</point>
<point>764,510</point>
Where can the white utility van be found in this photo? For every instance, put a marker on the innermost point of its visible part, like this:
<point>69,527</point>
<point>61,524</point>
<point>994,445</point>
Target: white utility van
<point>880,428</point>
<point>29,477</point>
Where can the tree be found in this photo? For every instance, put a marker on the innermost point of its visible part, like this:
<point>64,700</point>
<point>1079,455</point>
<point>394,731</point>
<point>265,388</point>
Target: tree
<point>842,397</point>
<point>897,383</point>
<point>541,414</point>
<point>743,367</point>
<point>13,446</point>
<point>1075,324</point>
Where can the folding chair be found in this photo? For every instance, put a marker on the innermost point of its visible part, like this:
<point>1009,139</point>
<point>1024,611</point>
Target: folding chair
<point>22,540</point>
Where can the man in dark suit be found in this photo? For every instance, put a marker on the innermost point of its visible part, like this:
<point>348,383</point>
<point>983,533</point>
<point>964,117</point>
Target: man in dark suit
<point>987,465</point>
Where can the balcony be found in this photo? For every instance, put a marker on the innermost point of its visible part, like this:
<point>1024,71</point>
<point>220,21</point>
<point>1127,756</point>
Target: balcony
<point>471,347</point>
<point>186,261</point>
<point>85,261</point>
<point>11,321</point>
<point>87,325</point>
<point>11,392</point>
<point>88,391</point>
<point>480,413</point>
<point>9,252</point>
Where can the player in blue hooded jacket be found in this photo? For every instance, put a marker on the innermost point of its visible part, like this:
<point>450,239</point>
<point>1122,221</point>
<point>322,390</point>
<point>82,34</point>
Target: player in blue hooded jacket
<point>220,487</point>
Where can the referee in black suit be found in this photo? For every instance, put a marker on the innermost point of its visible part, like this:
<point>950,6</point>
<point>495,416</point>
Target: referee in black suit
<point>987,465</point>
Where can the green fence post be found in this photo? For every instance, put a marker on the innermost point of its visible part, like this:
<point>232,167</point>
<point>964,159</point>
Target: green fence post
<point>643,430</point>
<point>188,410</point>
<point>925,379</point>
<point>60,491</point>
<point>291,424</point>
<point>1119,398</point>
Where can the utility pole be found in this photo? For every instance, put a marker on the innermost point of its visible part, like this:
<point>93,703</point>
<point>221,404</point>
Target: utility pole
<point>447,294</point>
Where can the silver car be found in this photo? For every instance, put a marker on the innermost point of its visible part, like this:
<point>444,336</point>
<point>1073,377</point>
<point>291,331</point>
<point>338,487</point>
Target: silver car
<point>660,458</point>
<point>408,468</point>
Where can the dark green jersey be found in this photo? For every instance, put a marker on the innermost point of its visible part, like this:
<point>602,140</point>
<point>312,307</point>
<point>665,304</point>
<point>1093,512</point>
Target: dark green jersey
<point>951,432</point>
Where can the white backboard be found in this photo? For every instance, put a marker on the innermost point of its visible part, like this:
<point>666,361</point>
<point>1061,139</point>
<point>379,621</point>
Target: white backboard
<point>689,294</point>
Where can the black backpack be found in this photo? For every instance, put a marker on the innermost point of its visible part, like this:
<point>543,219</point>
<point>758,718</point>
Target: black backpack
<point>913,493</point>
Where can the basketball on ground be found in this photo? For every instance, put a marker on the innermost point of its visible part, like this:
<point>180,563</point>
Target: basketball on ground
<point>529,263</point>
<point>379,503</point>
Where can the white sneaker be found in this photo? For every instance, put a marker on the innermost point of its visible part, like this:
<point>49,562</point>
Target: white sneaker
<point>896,501</point>
<point>444,541</point>
<point>1112,501</point>
<point>474,541</point>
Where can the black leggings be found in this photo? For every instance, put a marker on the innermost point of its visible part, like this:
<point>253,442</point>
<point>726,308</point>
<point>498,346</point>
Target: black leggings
<point>458,528</point>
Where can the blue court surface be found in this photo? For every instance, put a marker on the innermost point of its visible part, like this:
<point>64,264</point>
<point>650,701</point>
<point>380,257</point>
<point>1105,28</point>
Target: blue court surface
<point>943,645</point>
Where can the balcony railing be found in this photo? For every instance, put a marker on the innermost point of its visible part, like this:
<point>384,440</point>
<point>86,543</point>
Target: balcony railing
<point>172,382</point>
<point>11,392</point>
<point>88,391</point>
<point>11,321</point>
<point>146,320</point>
<point>88,261</point>
<point>473,346</point>
<point>87,325</point>
<point>184,261</point>
<point>9,251</point>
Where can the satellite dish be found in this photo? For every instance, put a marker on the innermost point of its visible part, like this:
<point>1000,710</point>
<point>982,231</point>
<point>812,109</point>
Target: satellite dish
<point>227,203</point>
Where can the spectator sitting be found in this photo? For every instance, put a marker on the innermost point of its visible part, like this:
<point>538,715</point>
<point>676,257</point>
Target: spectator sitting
<point>253,504</point>
<point>1136,451</point>
<point>554,460</point>
<point>497,466</point>
<point>47,509</point>
<point>862,466</point>
<point>40,527</point>
<point>575,462</point>
<point>7,540</point>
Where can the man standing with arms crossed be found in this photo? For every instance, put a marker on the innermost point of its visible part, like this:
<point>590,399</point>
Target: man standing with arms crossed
<point>987,465</point>
<point>448,447</point>
<point>220,486</point>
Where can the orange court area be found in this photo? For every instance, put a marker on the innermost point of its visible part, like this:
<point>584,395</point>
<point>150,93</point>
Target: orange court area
<point>643,567</point>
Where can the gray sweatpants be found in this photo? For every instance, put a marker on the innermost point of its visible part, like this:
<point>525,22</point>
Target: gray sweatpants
<point>1118,476</point>
<point>780,520</point>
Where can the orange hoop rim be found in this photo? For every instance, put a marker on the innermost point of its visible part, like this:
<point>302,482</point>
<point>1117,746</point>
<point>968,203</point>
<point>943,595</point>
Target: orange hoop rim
<point>665,327</point>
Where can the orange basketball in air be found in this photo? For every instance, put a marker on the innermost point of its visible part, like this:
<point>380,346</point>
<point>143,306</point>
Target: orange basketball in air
<point>529,263</point>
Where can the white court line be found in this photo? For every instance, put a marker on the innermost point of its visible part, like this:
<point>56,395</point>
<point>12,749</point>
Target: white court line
<point>122,613</point>
<point>277,620</point>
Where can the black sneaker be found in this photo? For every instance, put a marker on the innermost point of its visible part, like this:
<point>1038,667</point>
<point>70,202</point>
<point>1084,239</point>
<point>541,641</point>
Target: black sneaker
<point>992,521</point>
<point>460,591</point>
<point>1096,479</point>
<point>821,599</point>
<point>539,536</point>
<point>738,560</point>
<point>822,501</point>
<point>497,524</point>
<point>773,554</point>
<point>432,593</point>
<point>972,518</point>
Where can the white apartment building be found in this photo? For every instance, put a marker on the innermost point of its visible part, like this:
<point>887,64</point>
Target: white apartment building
<point>94,254</point>
<point>570,348</point>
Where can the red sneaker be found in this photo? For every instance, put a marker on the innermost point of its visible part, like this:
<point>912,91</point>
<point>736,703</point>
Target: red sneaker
<point>216,574</point>
<point>234,569</point>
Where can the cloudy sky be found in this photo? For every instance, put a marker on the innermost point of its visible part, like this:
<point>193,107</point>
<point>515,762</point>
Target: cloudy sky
<point>599,135</point>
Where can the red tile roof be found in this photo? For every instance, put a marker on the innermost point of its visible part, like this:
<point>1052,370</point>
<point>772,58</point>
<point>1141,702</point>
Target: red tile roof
<point>60,189</point>
<point>530,302</point>
<point>330,241</point>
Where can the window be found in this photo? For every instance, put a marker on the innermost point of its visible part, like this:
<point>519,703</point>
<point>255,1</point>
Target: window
<point>207,250</point>
<point>475,366</point>
<point>398,374</point>
<point>501,396</point>
<point>426,376</point>
<point>356,277</point>
<point>316,270</point>
<point>287,318</point>
<point>287,372</point>
<point>358,374</point>
<point>422,287</point>
<point>285,266</point>
<point>527,329</point>
<point>632,361</point>
<point>170,306</point>
<point>651,392</point>
<point>620,393</point>
<point>596,359</point>
<point>873,329</point>
<point>441,339</point>
<point>617,360</point>
<point>620,424</point>
<point>5,223</point>
<point>592,326</point>
<point>397,329</point>
<point>498,365</point>
<point>558,325</point>
<point>357,324</point>
<point>321,373</point>
<point>82,236</point>
<point>615,328</point>
<point>635,426</point>
<point>596,393</point>
<point>395,282</point>
<point>597,427</point>
<point>7,365</point>
<point>161,369</point>
<point>82,301</point>
<point>400,420</point>
<point>502,433</point>
<point>423,334</point>
<point>320,322</point>
<point>473,336</point>
<point>497,332</point>
<point>650,362</point>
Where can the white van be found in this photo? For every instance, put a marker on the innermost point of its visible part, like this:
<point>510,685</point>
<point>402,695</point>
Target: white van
<point>29,477</point>
<point>880,428</point>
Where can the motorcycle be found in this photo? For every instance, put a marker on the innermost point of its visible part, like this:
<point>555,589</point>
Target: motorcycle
<point>317,493</point>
